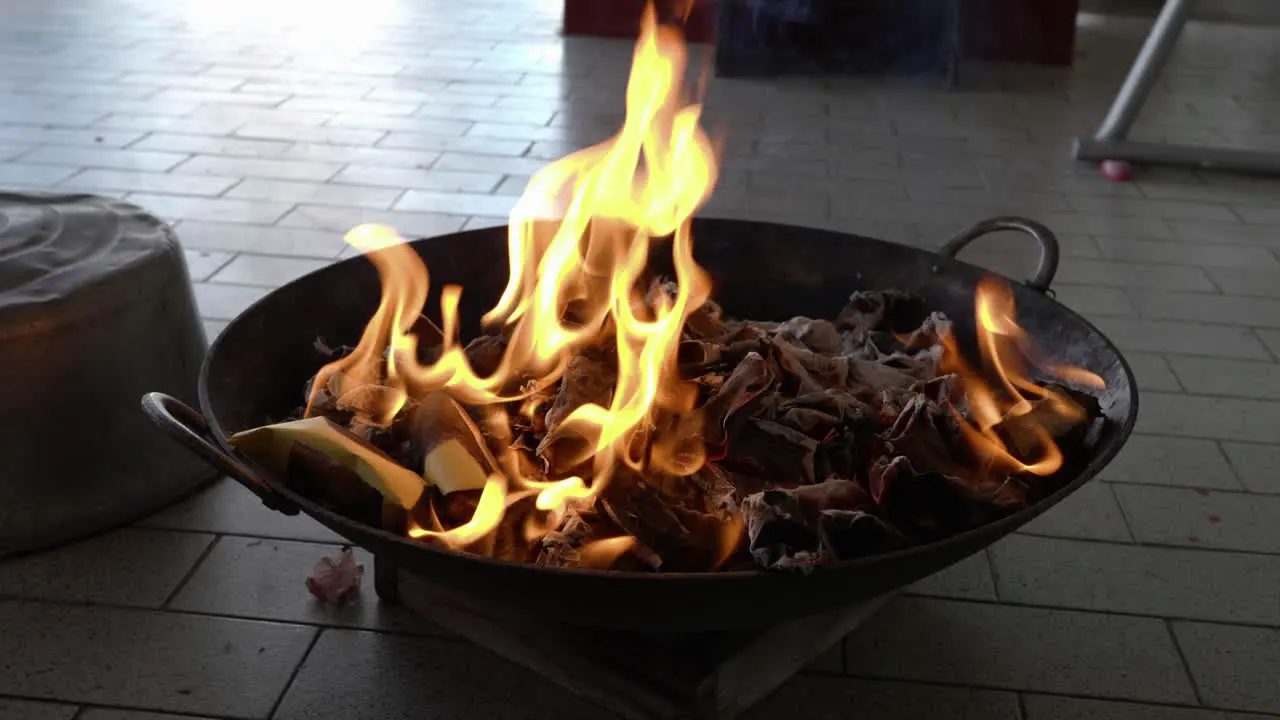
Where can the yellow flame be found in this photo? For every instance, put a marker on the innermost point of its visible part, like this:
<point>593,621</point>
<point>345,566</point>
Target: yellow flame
<point>601,554</point>
<point>1079,376</point>
<point>998,332</point>
<point>731,534</point>
<point>487,515</point>
<point>572,281</point>
<point>554,495</point>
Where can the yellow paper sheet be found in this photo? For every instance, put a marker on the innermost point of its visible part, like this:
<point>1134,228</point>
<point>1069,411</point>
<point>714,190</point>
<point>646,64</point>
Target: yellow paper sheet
<point>451,468</point>
<point>270,445</point>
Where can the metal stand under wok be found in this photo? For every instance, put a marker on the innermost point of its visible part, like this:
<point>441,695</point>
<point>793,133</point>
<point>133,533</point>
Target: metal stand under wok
<point>638,676</point>
<point>1111,141</point>
<point>715,675</point>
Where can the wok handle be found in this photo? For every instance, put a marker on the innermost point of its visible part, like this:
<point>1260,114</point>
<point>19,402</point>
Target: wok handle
<point>189,428</point>
<point>1045,270</point>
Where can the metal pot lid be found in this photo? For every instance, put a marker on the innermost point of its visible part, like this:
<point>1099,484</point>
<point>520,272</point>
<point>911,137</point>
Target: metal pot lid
<point>65,257</point>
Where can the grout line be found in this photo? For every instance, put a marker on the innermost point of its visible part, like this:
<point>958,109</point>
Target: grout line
<point>442,634</point>
<point>293,207</point>
<point>1021,702</point>
<point>399,632</point>
<point>239,181</point>
<point>190,572</point>
<point>267,288</point>
<point>991,569</point>
<point>1182,657</point>
<point>132,143</point>
<point>1128,523</point>
<point>1047,693</point>
<point>83,708</point>
<point>1215,283</point>
<point>1171,436</point>
<point>1235,472</point>
<point>1241,294</point>
<point>255,253</point>
<point>1174,242</point>
<point>1189,488</point>
<point>340,542</point>
<point>223,266</point>
<point>1168,365</point>
<point>1092,611</point>
<point>1215,396</point>
<point>268,255</point>
<point>1275,354</point>
<point>293,676</point>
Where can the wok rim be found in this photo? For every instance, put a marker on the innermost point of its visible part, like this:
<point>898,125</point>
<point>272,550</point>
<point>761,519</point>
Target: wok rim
<point>995,530</point>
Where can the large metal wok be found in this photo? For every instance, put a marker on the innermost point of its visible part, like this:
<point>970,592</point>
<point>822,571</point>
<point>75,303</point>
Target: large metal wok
<point>256,370</point>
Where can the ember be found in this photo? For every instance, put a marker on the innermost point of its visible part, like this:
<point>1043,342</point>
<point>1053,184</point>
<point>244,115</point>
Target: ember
<point>612,420</point>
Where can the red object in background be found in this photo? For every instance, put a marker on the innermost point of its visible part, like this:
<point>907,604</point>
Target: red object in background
<point>621,18</point>
<point>1116,170</point>
<point>1031,31</point>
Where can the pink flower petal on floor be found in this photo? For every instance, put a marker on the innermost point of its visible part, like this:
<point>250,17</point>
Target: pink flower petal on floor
<point>334,580</point>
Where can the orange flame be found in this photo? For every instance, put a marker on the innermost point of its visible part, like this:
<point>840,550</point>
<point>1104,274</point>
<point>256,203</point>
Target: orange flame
<point>600,554</point>
<point>572,282</point>
<point>487,515</point>
<point>1015,395</point>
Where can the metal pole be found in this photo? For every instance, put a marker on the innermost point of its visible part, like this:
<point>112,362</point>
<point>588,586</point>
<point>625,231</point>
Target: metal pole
<point>1146,69</point>
<point>1111,141</point>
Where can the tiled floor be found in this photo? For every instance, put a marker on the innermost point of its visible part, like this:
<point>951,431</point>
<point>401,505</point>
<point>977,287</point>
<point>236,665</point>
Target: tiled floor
<point>266,128</point>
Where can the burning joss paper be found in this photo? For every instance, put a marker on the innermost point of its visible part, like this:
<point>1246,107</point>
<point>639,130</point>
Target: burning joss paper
<point>803,443</point>
<point>613,417</point>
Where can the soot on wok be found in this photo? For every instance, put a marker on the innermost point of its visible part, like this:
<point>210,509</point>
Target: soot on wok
<point>825,440</point>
